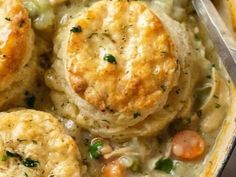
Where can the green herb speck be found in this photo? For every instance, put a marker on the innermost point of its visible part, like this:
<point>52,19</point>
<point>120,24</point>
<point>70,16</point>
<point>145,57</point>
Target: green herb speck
<point>110,58</point>
<point>34,142</point>
<point>217,105</point>
<point>216,97</point>
<point>7,19</point>
<point>9,154</point>
<point>21,140</point>
<point>28,162</point>
<point>163,53</point>
<point>165,165</point>
<point>76,29</point>
<point>94,150</point>
<point>12,154</point>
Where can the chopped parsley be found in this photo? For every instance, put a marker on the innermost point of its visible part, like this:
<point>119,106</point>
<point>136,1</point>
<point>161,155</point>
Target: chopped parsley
<point>200,97</point>
<point>76,29</point>
<point>9,154</point>
<point>106,121</point>
<point>94,150</point>
<point>208,76</point>
<point>28,162</point>
<point>21,140</point>
<point>217,105</point>
<point>26,175</point>
<point>163,52</point>
<point>34,142</point>
<point>109,37</point>
<point>165,165</point>
<point>136,114</point>
<point>110,58</point>
<point>216,97</point>
<point>7,19</point>
<point>12,154</point>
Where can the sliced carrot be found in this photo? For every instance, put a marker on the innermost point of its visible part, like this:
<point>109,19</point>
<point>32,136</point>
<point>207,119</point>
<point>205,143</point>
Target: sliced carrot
<point>188,145</point>
<point>113,169</point>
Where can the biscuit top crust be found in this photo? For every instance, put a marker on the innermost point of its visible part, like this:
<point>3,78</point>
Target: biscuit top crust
<point>120,58</point>
<point>33,143</point>
<point>15,40</point>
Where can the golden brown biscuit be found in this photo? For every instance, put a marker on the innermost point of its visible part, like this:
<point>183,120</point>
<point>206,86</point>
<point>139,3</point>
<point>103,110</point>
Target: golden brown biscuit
<point>33,143</point>
<point>122,62</point>
<point>16,40</point>
<point>16,45</point>
<point>116,73</point>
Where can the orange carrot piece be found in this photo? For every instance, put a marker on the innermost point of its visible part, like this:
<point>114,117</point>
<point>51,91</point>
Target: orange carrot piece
<point>113,169</point>
<point>188,145</point>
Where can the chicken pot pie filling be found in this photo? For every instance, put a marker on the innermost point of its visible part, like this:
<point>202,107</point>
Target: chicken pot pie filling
<point>137,84</point>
